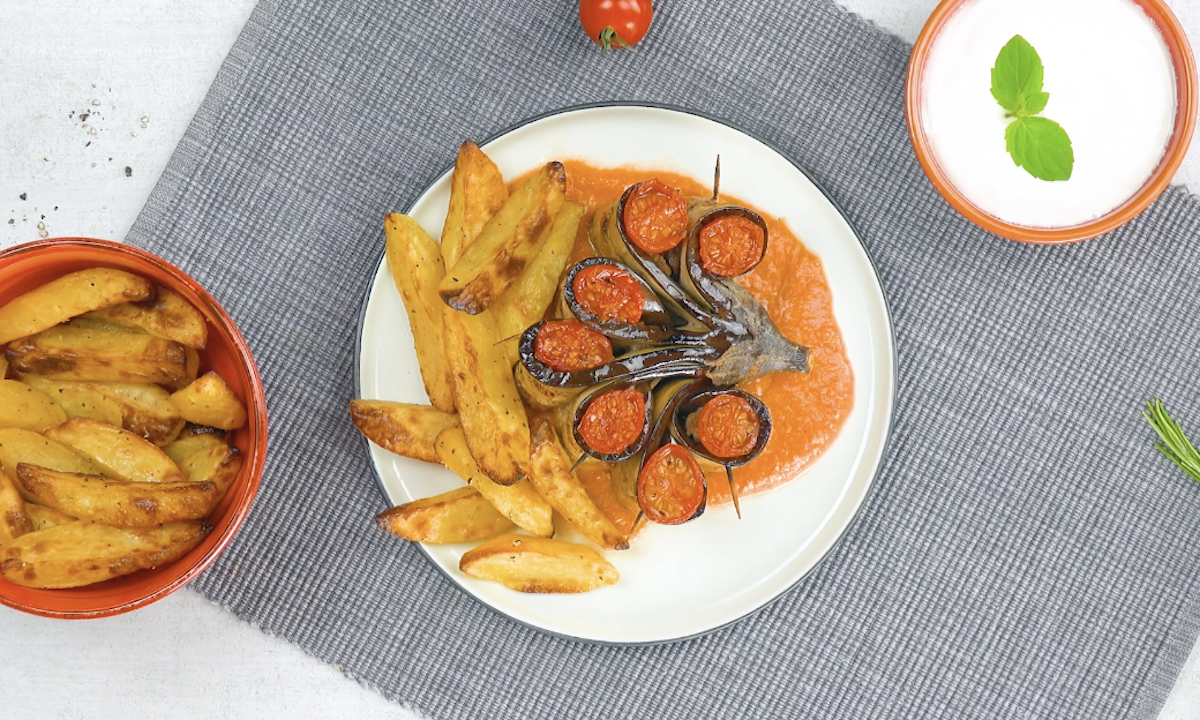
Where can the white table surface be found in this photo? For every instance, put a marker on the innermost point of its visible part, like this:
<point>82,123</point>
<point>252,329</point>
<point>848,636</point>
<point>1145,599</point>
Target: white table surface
<point>140,68</point>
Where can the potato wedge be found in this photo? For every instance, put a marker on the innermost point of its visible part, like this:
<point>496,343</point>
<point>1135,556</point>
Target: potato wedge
<point>213,460</point>
<point>461,515</point>
<point>82,553</point>
<point>194,438</point>
<point>73,294</point>
<point>552,475</point>
<point>70,352</point>
<point>3,366</point>
<point>117,502</point>
<point>42,517</point>
<point>14,515</point>
<point>477,191</point>
<point>28,408</point>
<point>518,502</point>
<point>510,240</point>
<point>485,391</point>
<point>526,301</point>
<point>142,409</point>
<point>120,453</point>
<point>539,565</point>
<point>23,446</point>
<point>408,430</point>
<point>210,401</point>
<point>165,314</point>
<point>415,261</point>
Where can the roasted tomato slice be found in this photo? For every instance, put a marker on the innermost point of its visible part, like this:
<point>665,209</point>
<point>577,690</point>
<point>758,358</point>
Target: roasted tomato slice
<point>613,421</point>
<point>609,293</point>
<point>671,487</point>
<point>727,426</point>
<point>731,245</point>
<point>569,345</point>
<point>655,217</point>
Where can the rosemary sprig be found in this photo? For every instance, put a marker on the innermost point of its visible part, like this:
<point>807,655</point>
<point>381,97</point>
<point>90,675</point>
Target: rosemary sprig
<point>1175,444</point>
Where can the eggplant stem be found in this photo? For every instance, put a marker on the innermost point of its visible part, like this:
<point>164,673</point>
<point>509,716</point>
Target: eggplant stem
<point>733,493</point>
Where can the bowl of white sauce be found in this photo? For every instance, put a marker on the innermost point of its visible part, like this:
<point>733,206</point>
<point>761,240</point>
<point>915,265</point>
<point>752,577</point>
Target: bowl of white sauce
<point>1116,77</point>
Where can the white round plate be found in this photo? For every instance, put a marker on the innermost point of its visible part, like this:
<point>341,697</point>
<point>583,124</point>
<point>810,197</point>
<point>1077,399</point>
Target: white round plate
<point>676,582</point>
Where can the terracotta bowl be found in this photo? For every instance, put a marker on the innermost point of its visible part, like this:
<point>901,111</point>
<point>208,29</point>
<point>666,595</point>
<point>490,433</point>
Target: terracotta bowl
<point>26,266</point>
<point>1185,123</point>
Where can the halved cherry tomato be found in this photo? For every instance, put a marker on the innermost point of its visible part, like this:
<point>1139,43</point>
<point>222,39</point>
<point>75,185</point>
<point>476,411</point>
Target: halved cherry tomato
<point>671,486</point>
<point>569,345</point>
<point>728,426</point>
<point>656,216</point>
<point>731,245</point>
<point>615,23</point>
<point>613,421</point>
<point>609,293</point>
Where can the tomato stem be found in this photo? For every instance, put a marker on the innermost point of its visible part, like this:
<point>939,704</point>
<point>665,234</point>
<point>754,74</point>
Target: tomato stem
<point>609,37</point>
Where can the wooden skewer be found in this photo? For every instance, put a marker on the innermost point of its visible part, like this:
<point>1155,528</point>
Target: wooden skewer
<point>733,493</point>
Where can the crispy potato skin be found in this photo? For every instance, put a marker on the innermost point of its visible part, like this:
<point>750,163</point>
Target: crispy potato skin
<point>22,446</point>
<point>42,517</point>
<point>530,296</point>
<point>79,352</point>
<point>539,565</point>
<point>461,515</point>
<point>477,192</point>
<point>415,261</point>
<point>165,314</point>
<point>210,401</point>
<point>14,514</point>
<point>490,409</point>
<point>81,553</point>
<point>507,244</point>
<point>117,502</point>
<point>408,430</point>
<point>552,476</point>
<point>28,408</point>
<point>119,452</point>
<point>519,502</point>
<point>73,294</point>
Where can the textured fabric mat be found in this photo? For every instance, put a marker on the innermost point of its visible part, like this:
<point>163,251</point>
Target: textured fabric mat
<point>1025,553</point>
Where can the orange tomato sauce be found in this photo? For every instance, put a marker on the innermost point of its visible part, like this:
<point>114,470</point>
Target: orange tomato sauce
<point>807,409</point>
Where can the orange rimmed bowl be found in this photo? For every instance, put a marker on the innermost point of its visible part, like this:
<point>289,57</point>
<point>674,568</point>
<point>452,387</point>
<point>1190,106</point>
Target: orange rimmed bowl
<point>1181,137</point>
<point>23,268</point>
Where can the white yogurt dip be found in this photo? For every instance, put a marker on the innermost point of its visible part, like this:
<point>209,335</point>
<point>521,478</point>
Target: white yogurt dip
<point>1112,88</point>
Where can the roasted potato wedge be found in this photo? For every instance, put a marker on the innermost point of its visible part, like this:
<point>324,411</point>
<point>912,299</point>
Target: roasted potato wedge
<point>73,294</point>
<point>477,191</point>
<point>213,460</point>
<point>510,240</point>
<point>408,430</point>
<point>3,366</point>
<point>142,409</point>
<point>194,438</point>
<point>71,352</point>
<point>23,446</point>
<point>119,452</point>
<point>550,471</point>
<point>165,314</point>
<point>28,408</point>
<point>526,301</point>
<point>518,502</point>
<point>415,261</point>
<point>210,401</point>
<point>458,516</point>
<point>42,517</point>
<point>82,553</point>
<point>490,408</point>
<point>117,502</point>
<point>14,515</point>
<point>539,565</point>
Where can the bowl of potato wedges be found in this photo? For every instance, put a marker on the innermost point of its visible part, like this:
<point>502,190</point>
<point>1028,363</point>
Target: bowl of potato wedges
<point>133,428</point>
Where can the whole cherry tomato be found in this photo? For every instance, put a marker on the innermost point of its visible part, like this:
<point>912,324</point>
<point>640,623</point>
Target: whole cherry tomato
<point>615,23</point>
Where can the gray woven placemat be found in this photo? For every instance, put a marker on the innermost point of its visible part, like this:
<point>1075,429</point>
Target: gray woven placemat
<point>1024,554</point>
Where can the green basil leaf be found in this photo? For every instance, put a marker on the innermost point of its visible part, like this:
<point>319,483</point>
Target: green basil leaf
<point>1017,79</point>
<point>1041,146</point>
